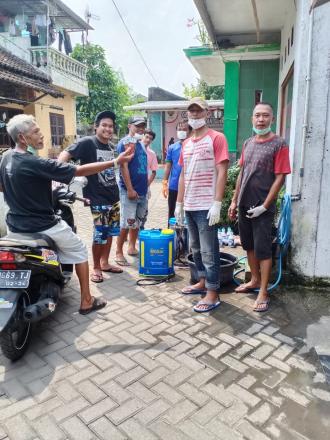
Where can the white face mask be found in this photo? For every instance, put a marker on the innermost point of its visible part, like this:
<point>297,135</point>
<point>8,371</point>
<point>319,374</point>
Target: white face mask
<point>181,134</point>
<point>195,124</point>
<point>138,136</point>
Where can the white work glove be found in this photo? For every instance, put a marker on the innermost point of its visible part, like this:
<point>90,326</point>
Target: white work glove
<point>214,213</point>
<point>179,213</point>
<point>255,212</point>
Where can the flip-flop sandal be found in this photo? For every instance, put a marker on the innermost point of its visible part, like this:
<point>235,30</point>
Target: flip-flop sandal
<point>192,291</point>
<point>122,262</point>
<point>133,254</point>
<point>97,278</point>
<point>113,269</point>
<point>98,303</point>
<point>242,289</point>
<point>265,305</point>
<point>210,306</point>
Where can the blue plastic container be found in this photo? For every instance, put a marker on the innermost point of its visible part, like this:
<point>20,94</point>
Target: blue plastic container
<point>172,222</point>
<point>156,252</point>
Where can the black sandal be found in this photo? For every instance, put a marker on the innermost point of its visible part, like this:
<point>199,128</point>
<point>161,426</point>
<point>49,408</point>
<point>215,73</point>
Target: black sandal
<point>98,303</point>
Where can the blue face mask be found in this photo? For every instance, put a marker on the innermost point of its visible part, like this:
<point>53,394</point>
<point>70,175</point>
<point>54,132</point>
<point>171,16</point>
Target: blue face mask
<point>261,131</point>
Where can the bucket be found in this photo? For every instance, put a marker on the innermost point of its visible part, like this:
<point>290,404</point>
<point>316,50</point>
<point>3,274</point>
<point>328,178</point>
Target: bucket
<point>181,238</point>
<point>156,252</point>
<point>228,263</point>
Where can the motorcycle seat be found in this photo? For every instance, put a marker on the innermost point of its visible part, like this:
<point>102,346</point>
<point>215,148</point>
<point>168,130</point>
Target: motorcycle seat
<point>34,240</point>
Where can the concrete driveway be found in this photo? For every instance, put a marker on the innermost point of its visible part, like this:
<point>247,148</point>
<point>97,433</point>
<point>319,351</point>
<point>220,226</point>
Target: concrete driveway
<point>148,367</point>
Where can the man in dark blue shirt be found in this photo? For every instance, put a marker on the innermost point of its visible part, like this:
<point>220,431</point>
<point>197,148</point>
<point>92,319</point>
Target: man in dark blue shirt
<point>172,168</point>
<point>133,188</point>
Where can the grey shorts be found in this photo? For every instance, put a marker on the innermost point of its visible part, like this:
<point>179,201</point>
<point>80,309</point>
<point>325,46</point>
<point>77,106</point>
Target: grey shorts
<point>256,233</point>
<point>132,212</point>
<point>70,248</point>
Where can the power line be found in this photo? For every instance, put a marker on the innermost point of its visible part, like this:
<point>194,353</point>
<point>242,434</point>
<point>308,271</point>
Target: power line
<point>136,47</point>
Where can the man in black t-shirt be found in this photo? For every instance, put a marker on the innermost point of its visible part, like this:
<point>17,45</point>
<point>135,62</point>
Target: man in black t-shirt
<point>102,190</point>
<point>26,180</point>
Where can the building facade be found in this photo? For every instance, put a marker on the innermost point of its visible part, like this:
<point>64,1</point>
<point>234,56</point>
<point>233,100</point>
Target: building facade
<point>279,52</point>
<point>164,111</point>
<point>35,38</point>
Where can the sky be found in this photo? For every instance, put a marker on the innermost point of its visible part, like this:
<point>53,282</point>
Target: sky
<point>159,28</point>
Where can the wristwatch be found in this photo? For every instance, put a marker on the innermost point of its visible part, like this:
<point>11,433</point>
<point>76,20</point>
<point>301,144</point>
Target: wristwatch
<point>115,163</point>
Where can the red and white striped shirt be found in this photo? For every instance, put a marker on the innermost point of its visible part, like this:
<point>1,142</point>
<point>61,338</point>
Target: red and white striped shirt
<point>199,157</point>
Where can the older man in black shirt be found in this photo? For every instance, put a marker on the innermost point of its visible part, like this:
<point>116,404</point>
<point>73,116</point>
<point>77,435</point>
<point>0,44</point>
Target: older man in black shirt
<point>26,179</point>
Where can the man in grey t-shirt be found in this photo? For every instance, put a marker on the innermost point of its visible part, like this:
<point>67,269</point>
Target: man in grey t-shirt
<point>264,164</point>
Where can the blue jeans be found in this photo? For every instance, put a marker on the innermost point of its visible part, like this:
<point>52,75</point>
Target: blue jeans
<point>203,240</point>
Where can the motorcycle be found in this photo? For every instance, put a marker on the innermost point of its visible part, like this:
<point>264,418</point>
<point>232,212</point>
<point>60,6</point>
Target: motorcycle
<point>31,278</point>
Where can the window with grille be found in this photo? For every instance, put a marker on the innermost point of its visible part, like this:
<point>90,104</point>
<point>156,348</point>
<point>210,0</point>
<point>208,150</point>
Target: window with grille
<point>57,128</point>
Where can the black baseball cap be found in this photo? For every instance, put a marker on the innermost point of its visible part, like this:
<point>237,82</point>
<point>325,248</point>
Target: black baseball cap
<point>137,120</point>
<point>103,115</point>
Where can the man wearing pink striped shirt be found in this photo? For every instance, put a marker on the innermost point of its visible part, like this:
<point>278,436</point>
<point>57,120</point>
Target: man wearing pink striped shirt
<point>204,160</point>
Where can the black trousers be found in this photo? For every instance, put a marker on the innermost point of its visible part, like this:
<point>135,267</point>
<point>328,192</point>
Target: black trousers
<point>172,195</point>
<point>256,233</point>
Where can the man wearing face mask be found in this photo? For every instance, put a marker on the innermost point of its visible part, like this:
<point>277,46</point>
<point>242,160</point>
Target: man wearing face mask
<point>26,180</point>
<point>172,168</point>
<point>133,189</point>
<point>264,164</point>
<point>204,159</point>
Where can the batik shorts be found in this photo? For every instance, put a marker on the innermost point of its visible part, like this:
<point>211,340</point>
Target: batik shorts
<point>106,220</point>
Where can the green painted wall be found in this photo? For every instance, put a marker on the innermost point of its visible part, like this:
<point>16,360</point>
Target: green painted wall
<point>255,75</point>
<point>155,123</point>
<point>232,75</point>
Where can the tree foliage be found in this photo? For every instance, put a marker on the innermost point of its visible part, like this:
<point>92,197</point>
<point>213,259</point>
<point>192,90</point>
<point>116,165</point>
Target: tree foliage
<point>202,36</point>
<point>204,90</point>
<point>233,173</point>
<point>107,87</point>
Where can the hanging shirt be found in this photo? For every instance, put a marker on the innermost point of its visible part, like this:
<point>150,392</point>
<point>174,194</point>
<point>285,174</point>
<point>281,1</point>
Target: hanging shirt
<point>41,20</point>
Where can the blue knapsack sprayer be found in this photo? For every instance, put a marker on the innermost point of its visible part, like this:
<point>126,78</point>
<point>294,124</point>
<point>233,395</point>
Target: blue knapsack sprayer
<point>156,257</point>
<point>160,251</point>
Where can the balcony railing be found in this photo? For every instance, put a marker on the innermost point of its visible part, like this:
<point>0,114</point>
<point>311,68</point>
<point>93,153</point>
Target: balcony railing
<point>65,71</point>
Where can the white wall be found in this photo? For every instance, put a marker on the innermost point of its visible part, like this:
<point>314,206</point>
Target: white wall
<point>287,44</point>
<point>310,215</point>
<point>287,60</point>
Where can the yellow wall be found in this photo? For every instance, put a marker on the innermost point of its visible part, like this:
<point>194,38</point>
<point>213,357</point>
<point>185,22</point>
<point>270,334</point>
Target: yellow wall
<point>40,109</point>
<point>65,106</point>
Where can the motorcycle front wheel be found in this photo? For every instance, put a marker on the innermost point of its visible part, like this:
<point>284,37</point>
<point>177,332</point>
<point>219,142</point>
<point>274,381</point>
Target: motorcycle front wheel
<point>15,339</point>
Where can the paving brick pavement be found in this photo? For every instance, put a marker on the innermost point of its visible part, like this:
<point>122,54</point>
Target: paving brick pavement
<point>148,367</point>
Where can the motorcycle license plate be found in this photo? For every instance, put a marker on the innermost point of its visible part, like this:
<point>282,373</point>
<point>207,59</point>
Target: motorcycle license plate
<point>19,279</point>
